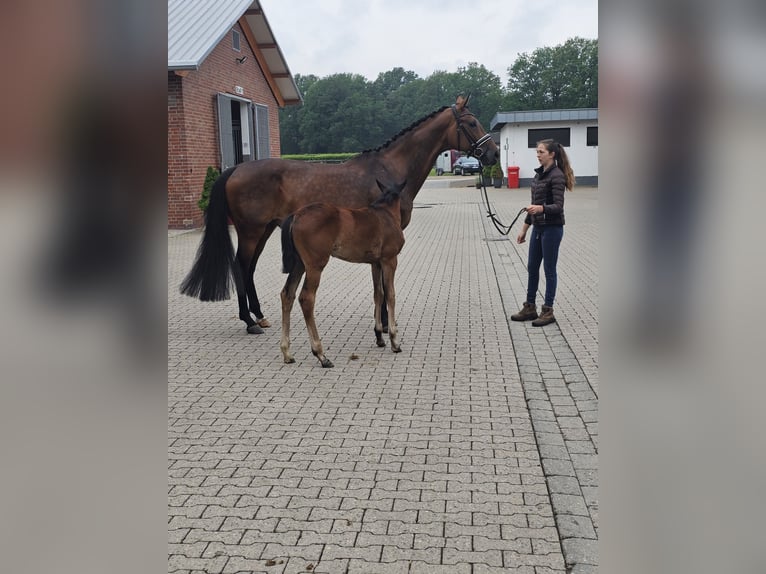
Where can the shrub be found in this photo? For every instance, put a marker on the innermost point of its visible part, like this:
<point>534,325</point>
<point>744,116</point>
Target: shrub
<point>497,170</point>
<point>210,177</point>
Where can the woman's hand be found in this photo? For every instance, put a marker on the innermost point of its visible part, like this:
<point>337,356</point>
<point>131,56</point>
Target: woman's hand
<point>521,237</point>
<point>534,209</point>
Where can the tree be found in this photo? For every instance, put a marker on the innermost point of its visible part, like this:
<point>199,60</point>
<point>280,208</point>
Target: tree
<point>290,118</point>
<point>485,88</point>
<point>565,76</point>
<point>388,83</point>
<point>392,92</point>
<point>347,113</point>
<point>338,115</point>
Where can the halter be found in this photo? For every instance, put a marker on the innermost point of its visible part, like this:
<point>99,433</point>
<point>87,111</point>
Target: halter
<point>475,144</point>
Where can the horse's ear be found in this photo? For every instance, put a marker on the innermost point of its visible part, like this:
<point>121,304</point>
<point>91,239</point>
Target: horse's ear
<point>460,103</point>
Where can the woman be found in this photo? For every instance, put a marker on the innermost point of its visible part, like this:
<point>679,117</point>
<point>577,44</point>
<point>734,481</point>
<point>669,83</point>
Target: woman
<point>546,215</point>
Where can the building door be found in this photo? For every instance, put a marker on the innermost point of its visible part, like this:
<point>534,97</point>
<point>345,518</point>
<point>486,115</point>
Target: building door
<point>235,130</point>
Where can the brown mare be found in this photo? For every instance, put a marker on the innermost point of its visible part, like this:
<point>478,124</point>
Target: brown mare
<point>258,196</point>
<point>317,231</point>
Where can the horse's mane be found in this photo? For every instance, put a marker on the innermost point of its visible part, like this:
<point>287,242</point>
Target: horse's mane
<point>405,130</point>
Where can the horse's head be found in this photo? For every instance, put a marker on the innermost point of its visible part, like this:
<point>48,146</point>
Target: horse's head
<point>471,137</point>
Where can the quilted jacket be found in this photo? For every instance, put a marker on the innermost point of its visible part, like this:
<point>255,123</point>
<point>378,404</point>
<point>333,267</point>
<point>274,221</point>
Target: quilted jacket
<point>548,191</point>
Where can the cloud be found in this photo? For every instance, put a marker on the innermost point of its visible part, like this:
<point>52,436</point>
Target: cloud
<point>344,36</point>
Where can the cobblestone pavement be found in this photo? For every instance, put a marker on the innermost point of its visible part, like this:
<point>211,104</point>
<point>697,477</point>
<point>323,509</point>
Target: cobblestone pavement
<point>473,451</point>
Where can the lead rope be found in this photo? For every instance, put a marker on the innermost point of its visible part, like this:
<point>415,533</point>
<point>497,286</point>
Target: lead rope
<point>503,229</point>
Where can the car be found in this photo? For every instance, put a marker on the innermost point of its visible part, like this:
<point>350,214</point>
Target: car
<point>465,165</point>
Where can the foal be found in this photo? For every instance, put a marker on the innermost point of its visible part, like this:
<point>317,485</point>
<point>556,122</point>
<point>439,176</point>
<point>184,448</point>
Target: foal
<point>371,234</point>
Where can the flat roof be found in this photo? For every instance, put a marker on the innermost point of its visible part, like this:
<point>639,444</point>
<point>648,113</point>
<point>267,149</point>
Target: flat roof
<point>530,116</point>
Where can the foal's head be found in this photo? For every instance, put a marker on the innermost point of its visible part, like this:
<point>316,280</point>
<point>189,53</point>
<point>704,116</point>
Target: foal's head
<point>391,193</point>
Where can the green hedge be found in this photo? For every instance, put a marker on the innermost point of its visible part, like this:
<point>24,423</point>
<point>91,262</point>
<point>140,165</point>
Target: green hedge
<point>321,157</point>
<point>328,158</point>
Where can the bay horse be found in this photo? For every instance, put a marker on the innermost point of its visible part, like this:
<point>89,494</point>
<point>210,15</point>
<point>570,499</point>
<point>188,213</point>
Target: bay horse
<point>258,195</point>
<point>317,231</point>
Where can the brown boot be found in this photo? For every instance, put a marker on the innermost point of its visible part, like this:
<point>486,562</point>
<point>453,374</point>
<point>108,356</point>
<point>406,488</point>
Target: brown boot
<point>546,316</point>
<point>528,311</point>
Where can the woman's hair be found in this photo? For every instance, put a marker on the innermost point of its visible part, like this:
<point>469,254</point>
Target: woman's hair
<point>562,161</point>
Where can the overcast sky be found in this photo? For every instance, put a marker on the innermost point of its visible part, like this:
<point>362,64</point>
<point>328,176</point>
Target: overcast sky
<point>367,37</point>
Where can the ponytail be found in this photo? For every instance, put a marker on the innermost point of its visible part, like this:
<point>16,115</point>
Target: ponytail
<point>562,161</point>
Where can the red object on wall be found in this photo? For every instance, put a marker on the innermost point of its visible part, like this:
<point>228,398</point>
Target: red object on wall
<point>513,176</point>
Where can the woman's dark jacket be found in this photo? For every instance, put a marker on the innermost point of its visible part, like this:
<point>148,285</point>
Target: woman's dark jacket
<point>548,191</point>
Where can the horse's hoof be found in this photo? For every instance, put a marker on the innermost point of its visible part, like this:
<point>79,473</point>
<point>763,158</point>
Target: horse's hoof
<point>327,364</point>
<point>380,343</point>
<point>254,330</point>
<point>263,322</point>
<point>396,349</point>
<point>289,360</point>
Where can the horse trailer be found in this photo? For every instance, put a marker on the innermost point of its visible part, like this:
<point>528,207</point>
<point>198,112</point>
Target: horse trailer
<point>445,160</point>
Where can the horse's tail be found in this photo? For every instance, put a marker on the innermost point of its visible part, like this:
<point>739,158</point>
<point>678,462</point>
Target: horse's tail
<point>290,257</point>
<point>210,277</point>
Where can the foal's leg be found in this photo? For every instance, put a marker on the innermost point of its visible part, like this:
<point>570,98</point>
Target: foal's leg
<point>288,298</point>
<point>378,303</point>
<point>307,299</point>
<point>389,270</point>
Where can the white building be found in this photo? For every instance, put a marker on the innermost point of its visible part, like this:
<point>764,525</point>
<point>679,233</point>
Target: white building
<point>576,130</point>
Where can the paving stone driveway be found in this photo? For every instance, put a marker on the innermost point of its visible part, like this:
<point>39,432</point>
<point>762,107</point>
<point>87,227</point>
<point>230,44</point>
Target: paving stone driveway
<point>473,451</point>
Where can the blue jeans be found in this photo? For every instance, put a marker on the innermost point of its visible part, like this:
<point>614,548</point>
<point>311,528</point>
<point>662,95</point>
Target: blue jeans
<point>543,248</point>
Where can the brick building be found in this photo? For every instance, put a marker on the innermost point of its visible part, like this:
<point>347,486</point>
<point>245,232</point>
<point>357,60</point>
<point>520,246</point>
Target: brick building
<point>227,79</point>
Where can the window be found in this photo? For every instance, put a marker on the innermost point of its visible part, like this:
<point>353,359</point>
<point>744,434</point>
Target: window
<point>591,138</point>
<point>235,41</point>
<point>561,135</point>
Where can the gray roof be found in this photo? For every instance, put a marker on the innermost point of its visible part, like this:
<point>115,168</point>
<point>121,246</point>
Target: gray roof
<point>195,27</point>
<point>502,118</point>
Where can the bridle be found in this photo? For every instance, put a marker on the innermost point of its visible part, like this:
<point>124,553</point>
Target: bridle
<point>476,144</point>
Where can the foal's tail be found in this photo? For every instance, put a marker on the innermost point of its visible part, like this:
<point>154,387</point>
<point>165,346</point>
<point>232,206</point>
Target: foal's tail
<point>210,277</point>
<point>290,257</point>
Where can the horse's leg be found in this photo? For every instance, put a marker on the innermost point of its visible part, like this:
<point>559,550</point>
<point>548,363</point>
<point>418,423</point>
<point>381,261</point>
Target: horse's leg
<point>252,296</point>
<point>384,311</point>
<point>378,303</point>
<point>389,271</point>
<point>245,253</point>
<point>288,298</point>
<point>307,299</point>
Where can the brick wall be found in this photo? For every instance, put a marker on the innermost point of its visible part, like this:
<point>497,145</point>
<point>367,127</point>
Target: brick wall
<point>193,123</point>
<point>178,169</point>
